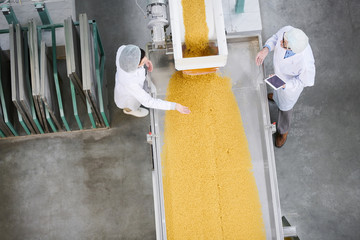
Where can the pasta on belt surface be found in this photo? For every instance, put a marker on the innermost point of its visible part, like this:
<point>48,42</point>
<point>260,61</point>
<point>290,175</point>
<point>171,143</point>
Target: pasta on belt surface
<point>209,187</point>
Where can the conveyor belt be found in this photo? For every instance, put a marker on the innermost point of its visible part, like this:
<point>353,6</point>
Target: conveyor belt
<point>250,93</point>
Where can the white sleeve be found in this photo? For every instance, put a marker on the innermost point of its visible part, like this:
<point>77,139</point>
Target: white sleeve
<point>271,42</point>
<point>296,82</point>
<point>146,100</point>
<point>310,67</point>
<point>306,78</point>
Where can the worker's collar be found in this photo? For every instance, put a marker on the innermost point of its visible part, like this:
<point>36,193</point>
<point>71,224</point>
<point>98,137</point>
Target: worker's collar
<point>289,53</point>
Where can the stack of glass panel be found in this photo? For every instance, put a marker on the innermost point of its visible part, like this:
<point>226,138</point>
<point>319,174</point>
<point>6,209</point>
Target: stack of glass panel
<point>19,95</point>
<point>47,89</point>
<point>6,106</point>
<point>35,74</point>
<point>89,79</point>
<point>73,59</point>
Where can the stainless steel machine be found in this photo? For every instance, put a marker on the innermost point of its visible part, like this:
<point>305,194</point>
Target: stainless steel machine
<point>156,11</point>
<point>242,44</point>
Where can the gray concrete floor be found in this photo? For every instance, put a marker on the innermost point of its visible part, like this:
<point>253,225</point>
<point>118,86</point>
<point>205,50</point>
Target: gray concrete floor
<point>97,184</point>
<point>319,166</point>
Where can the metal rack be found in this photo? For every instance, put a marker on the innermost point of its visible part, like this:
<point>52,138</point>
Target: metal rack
<point>37,89</point>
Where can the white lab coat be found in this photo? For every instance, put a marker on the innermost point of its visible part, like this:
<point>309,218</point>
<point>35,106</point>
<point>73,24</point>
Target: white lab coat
<point>297,71</point>
<point>129,92</point>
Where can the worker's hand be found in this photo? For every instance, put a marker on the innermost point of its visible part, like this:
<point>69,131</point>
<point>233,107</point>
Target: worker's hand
<point>149,65</point>
<point>260,57</point>
<point>182,109</point>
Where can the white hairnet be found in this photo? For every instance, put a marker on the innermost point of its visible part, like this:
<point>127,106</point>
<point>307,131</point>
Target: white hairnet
<point>129,58</point>
<point>297,40</point>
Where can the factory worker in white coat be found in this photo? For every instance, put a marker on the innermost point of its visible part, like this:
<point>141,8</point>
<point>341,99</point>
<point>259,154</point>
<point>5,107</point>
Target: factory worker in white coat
<point>294,63</point>
<point>129,94</point>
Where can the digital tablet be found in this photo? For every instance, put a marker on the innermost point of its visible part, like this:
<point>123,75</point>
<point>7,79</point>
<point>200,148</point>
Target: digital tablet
<point>275,82</point>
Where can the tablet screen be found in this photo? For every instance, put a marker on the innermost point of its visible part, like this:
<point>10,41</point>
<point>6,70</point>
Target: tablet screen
<point>276,81</point>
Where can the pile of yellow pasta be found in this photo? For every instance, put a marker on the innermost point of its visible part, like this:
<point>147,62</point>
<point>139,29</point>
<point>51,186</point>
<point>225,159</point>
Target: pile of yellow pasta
<point>209,188</point>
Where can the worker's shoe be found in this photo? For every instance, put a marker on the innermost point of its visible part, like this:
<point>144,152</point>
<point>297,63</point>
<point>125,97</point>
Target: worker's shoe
<point>280,139</point>
<point>140,112</point>
<point>270,97</point>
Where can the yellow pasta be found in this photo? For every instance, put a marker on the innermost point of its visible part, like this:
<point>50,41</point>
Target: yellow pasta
<point>196,29</point>
<point>209,188</point>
